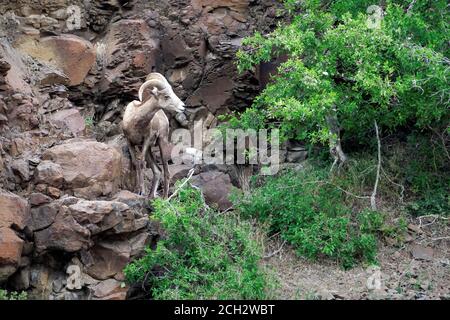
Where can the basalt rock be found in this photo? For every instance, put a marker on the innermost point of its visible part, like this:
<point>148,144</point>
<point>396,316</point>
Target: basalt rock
<point>50,173</point>
<point>10,252</point>
<point>14,211</point>
<point>70,119</point>
<point>75,56</point>
<point>90,168</point>
<point>216,187</point>
<point>64,234</point>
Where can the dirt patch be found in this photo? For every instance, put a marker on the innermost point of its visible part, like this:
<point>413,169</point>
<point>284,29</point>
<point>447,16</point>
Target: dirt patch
<point>419,269</point>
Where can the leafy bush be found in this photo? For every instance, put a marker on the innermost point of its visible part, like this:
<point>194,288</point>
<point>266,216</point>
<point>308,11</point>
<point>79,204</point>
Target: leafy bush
<point>422,166</point>
<point>311,214</point>
<point>338,66</point>
<point>13,295</point>
<point>205,255</point>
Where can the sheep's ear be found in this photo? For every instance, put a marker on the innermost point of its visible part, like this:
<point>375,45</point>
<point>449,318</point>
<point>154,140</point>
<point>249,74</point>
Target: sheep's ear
<point>155,92</point>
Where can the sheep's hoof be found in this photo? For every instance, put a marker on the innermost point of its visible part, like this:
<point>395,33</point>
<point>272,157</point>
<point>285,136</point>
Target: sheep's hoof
<point>154,196</point>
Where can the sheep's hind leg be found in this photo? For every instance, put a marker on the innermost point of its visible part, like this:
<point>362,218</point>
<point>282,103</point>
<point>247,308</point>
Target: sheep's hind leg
<point>163,148</point>
<point>147,152</point>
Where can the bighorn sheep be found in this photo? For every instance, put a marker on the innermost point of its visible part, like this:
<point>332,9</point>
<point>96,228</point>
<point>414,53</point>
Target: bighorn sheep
<point>145,124</point>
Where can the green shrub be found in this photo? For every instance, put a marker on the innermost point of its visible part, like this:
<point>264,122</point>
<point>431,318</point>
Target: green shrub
<point>89,121</point>
<point>311,214</point>
<point>13,295</point>
<point>205,254</point>
<point>421,165</point>
<point>339,66</point>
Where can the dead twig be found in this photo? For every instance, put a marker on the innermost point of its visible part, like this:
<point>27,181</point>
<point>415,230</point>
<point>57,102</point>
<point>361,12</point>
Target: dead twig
<point>402,187</point>
<point>442,138</point>
<point>191,173</point>
<point>276,251</point>
<point>373,198</point>
<point>440,238</point>
<point>410,7</point>
<point>434,216</point>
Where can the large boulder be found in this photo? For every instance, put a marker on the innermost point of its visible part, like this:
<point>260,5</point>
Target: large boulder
<point>14,210</point>
<point>101,216</point>
<point>50,173</point>
<point>107,259</point>
<point>70,119</point>
<point>43,216</point>
<point>75,56</point>
<point>216,187</point>
<point>64,234</point>
<point>20,168</point>
<point>91,169</point>
<point>13,70</point>
<point>217,94</point>
<point>14,214</point>
<point>69,224</point>
<point>127,53</point>
<point>109,289</point>
<point>10,252</point>
<point>222,16</point>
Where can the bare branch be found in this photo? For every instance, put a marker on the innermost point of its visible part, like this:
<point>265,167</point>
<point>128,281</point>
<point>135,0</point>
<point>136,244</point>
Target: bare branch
<point>373,198</point>
<point>276,251</point>
<point>191,173</point>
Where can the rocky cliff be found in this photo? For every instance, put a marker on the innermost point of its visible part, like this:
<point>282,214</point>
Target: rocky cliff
<point>67,70</point>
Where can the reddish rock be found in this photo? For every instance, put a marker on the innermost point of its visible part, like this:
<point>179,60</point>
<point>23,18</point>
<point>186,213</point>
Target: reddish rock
<point>138,243</point>
<point>37,199</point>
<point>239,6</point>
<point>72,54</point>
<point>20,168</point>
<point>216,187</point>
<point>49,173</point>
<point>53,192</point>
<point>10,252</point>
<point>14,210</point>
<point>220,16</point>
<point>41,187</point>
<point>217,94</point>
<point>108,259</point>
<point>114,217</point>
<point>129,198</point>
<point>14,70</point>
<point>130,50</point>
<point>70,119</point>
<point>110,289</point>
<point>175,51</point>
<point>98,216</point>
<point>90,168</point>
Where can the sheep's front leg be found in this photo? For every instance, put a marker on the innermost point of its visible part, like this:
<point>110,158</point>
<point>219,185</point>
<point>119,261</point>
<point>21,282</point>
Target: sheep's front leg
<point>165,155</point>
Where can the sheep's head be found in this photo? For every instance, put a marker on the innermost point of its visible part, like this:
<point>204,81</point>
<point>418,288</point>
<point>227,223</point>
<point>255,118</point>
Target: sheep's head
<point>162,91</point>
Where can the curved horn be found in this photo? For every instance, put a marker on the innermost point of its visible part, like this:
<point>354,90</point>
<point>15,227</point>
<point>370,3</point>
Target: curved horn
<point>156,75</point>
<point>153,83</point>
